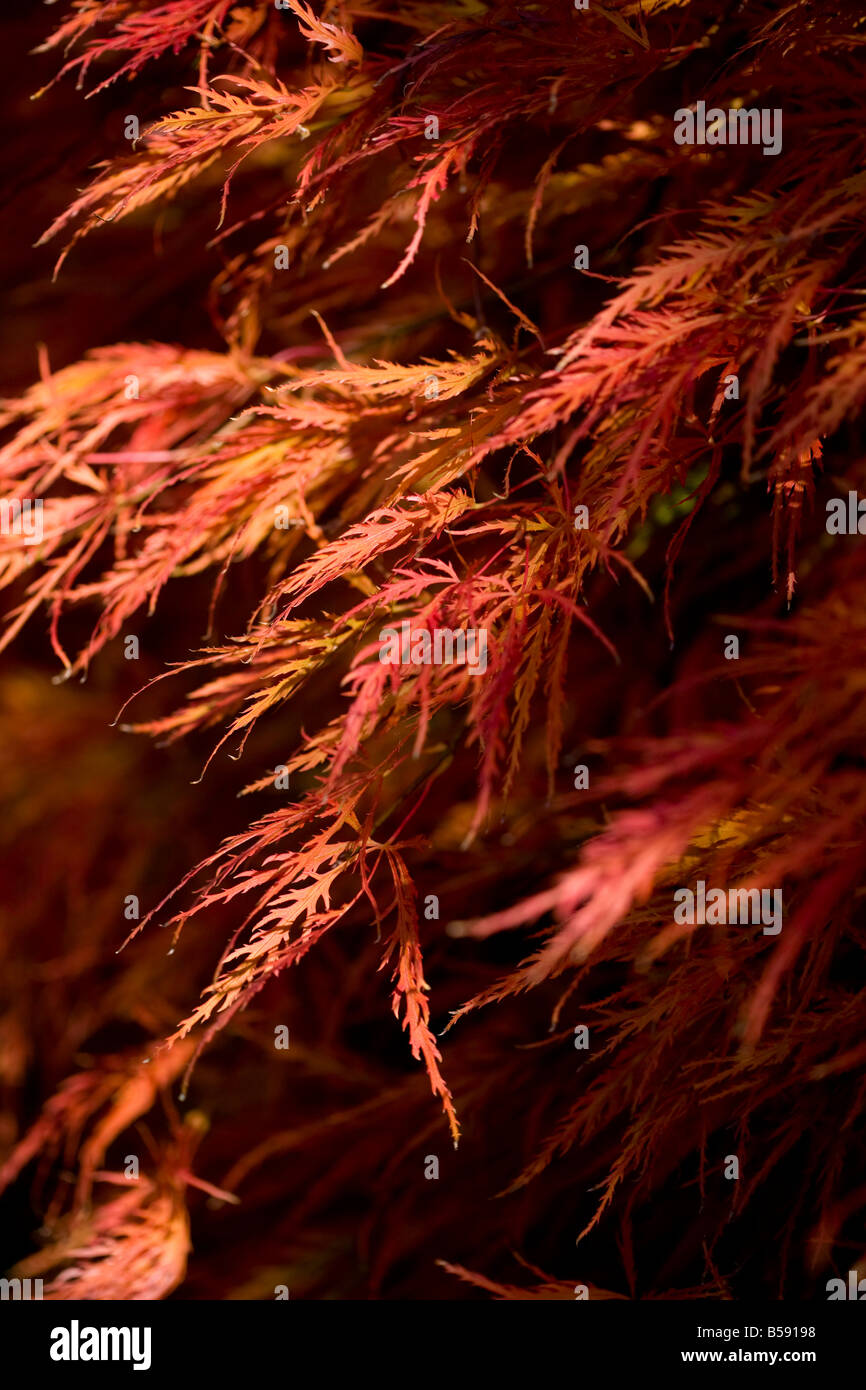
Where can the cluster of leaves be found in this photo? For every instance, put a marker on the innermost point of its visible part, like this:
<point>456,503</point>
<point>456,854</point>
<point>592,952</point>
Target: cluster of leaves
<point>450,260</point>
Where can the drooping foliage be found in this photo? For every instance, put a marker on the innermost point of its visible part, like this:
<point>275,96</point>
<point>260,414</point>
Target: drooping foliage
<point>461,284</point>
